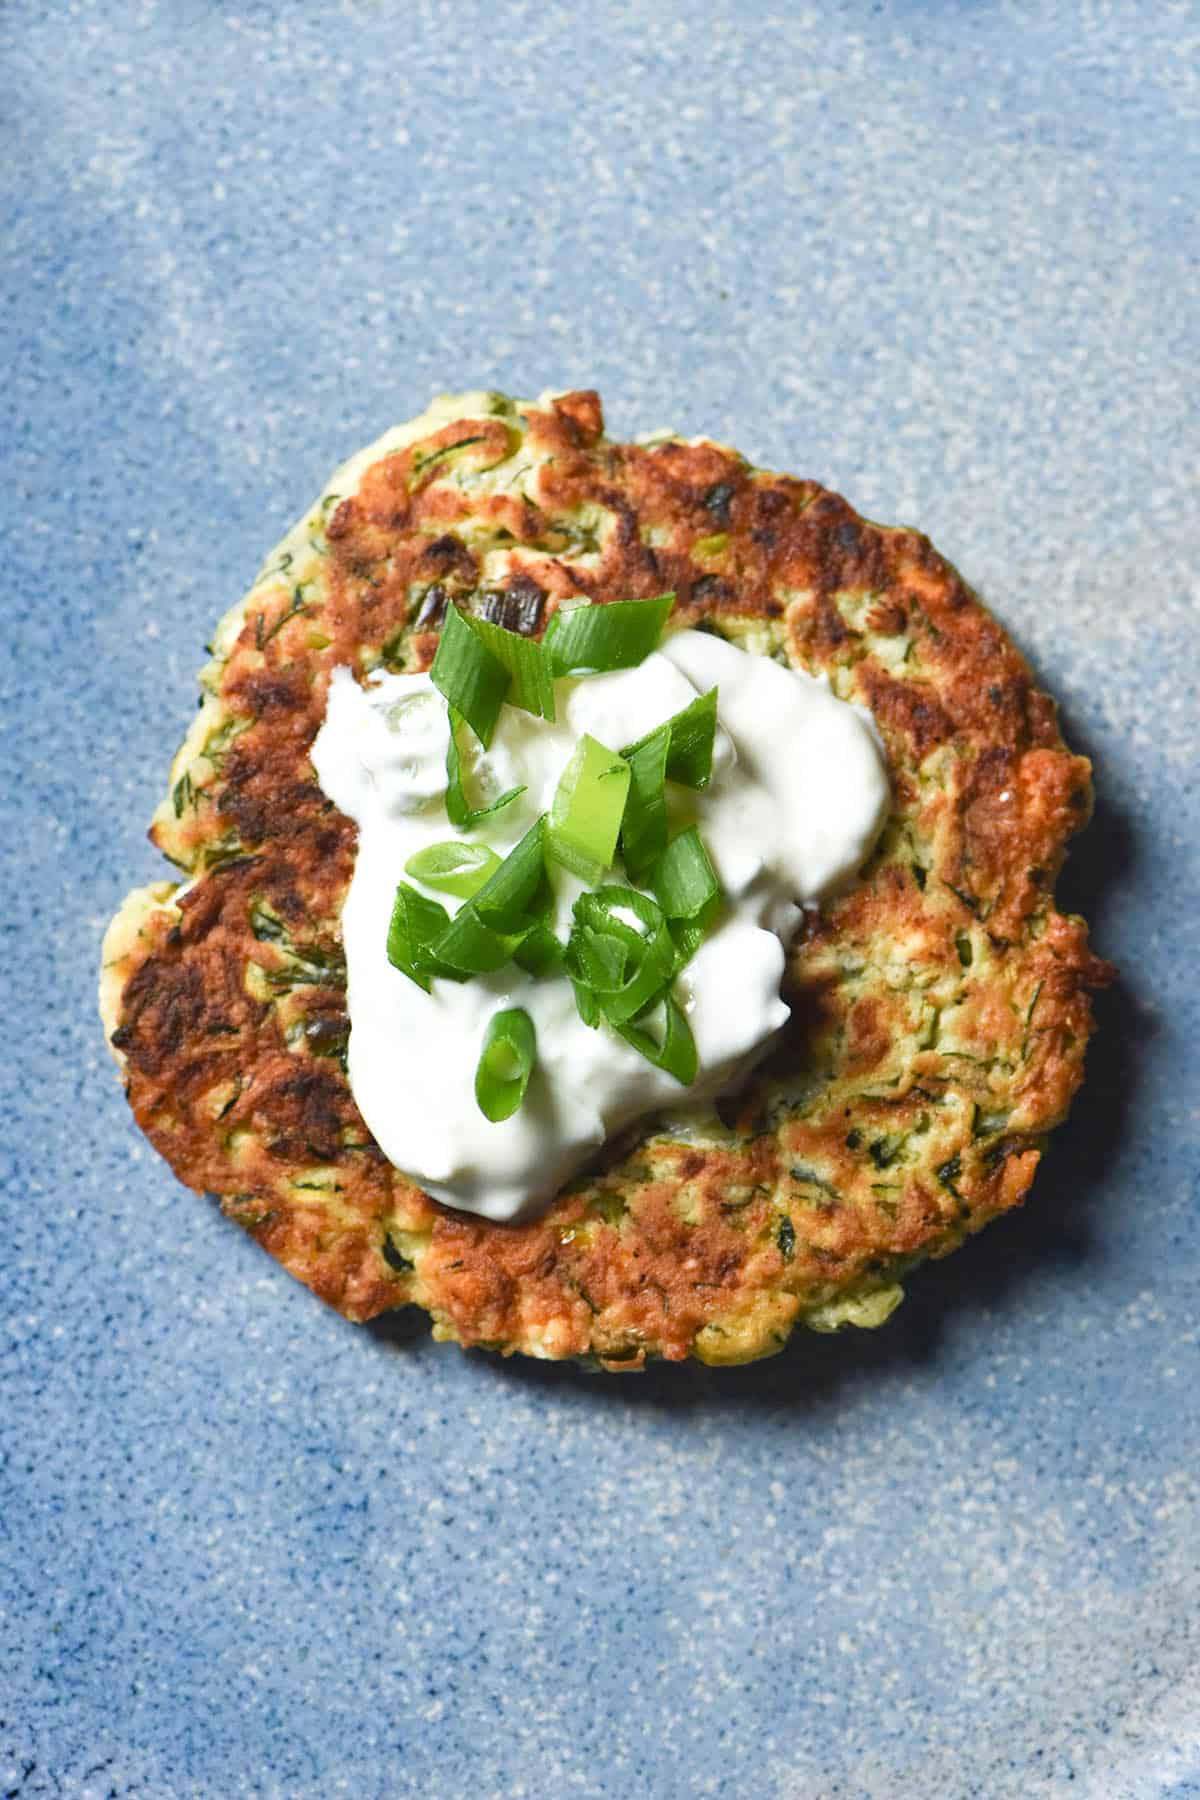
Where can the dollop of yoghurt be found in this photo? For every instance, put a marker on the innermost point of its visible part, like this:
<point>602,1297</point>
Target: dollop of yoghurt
<point>797,798</point>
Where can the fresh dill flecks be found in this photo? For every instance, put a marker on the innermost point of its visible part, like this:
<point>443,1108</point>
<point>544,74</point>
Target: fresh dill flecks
<point>296,605</point>
<point>183,795</point>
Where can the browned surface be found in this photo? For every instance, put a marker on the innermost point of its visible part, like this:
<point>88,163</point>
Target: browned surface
<point>940,1008</point>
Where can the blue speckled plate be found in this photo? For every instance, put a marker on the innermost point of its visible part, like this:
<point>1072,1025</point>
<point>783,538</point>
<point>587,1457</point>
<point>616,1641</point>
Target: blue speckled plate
<point>940,256</point>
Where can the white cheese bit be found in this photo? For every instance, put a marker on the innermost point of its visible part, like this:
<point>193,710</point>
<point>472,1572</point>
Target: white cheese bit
<point>797,798</point>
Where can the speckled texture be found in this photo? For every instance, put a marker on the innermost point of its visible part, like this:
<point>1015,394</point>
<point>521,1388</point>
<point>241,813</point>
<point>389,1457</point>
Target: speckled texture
<point>941,257</point>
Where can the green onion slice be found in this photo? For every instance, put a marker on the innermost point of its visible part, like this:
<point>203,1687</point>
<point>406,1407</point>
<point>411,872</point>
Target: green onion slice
<point>505,1063</point>
<point>625,966</point>
<point>416,924</point>
<point>590,640</point>
<point>462,815</point>
<point>688,935</point>
<point>644,826</point>
<point>692,733</point>
<point>487,932</point>
<point>469,674</point>
<point>518,889</point>
<point>585,816</point>
<point>539,952</point>
<point>528,665</point>
<point>471,946</point>
<point>453,867</point>
<point>675,1051</point>
<point>683,880</point>
<point>587,1005</point>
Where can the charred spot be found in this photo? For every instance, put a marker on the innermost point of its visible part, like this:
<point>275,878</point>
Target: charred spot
<point>447,552</point>
<point>831,629</point>
<point>627,535</point>
<point>713,590</point>
<point>718,501</point>
<point>267,691</point>
<point>326,1034</point>
<point>310,1102</point>
<point>907,707</point>
<point>432,609</point>
<point>394,1259</point>
<point>165,1005</point>
<point>518,607</point>
<point>772,505</point>
<point>848,537</point>
<point>690,1165</point>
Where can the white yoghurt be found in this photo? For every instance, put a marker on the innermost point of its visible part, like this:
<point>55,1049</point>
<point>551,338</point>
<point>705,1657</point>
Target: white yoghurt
<point>797,798</point>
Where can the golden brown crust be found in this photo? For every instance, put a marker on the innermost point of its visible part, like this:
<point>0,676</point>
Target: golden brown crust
<point>940,1008</point>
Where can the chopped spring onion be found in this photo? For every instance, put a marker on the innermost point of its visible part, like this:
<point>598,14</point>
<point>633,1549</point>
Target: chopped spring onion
<point>688,935</point>
<point>460,812</point>
<point>471,946</point>
<point>587,1005</point>
<point>692,735</point>
<point>527,663</point>
<point>675,1051</point>
<point>539,953</point>
<point>505,1063</point>
<point>585,816</point>
<point>485,933</point>
<point>590,640</point>
<point>417,922</point>
<point>683,879</point>
<point>470,675</point>
<point>518,889</point>
<point>644,826</point>
<point>624,966</point>
<point>453,867</point>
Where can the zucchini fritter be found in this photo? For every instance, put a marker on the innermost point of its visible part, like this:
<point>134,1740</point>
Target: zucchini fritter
<point>940,1007</point>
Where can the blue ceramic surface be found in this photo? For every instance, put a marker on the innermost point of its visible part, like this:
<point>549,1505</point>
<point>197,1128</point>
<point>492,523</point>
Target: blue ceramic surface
<point>941,256</point>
